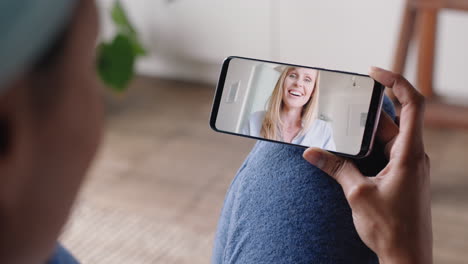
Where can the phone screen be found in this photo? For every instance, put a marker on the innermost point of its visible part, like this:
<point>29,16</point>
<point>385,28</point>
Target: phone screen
<point>299,105</point>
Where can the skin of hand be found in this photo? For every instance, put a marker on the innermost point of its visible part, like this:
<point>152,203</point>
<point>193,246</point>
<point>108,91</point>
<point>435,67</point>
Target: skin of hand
<point>391,211</point>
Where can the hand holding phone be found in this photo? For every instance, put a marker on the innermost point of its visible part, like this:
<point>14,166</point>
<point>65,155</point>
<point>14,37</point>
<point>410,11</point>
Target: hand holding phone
<point>391,211</point>
<point>298,105</point>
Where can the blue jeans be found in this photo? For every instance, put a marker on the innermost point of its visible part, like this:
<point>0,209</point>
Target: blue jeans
<point>281,209</point>
<point>61,256</point>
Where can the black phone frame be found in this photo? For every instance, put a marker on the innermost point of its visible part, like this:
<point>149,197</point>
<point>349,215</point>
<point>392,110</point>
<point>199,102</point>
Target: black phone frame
<point>371,122</point>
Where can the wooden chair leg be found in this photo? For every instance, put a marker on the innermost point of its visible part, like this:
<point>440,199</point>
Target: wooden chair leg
<point>406,32</point>
<point>427,24</point>
<point>404,39</point>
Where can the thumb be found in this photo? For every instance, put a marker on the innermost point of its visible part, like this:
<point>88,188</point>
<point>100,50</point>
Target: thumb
<point>341,169</point>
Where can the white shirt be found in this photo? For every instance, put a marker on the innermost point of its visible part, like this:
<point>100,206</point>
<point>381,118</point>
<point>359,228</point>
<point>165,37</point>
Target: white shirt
<point>319,135</point>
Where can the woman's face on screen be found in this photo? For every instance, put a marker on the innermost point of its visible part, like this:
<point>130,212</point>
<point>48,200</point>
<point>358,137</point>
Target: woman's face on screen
<point>298,86</point>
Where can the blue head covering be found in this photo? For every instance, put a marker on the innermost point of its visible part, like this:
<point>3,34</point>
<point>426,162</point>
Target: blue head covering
<point>27,28</point>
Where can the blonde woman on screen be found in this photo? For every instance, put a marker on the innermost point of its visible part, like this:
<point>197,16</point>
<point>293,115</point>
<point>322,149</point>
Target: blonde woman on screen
<point>291,115</point>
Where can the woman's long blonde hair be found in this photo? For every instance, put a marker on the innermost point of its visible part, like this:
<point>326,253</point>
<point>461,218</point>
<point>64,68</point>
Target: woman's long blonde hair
<point>272,124</point>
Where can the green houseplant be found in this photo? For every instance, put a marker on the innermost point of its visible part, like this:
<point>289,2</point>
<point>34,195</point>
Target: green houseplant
<point>116,59</point>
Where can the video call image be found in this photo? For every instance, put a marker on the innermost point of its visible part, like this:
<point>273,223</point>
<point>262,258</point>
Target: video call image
<point>302,106</point>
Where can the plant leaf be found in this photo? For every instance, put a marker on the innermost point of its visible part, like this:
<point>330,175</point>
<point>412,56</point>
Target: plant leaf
<point>115,62</point>
<point>138,48</point>
<point>125,27</point>
<point>121,20</point>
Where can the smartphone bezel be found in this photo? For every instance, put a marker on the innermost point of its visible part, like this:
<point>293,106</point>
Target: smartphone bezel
<point>371,122</point>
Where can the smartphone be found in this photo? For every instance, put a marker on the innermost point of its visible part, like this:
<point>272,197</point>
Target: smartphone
<point>297,105</point>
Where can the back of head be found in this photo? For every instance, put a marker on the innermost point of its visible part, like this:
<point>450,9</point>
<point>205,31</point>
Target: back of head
<point>46,62</point>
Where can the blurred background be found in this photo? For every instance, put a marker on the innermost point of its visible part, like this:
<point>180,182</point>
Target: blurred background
<point>155,192</point>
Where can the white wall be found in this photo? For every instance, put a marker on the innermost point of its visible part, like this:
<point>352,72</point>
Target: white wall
<point>342,103</point>
<point>252,82</point>
<point>263,82</point>
<point>230,113</point>
<point>188,39</point>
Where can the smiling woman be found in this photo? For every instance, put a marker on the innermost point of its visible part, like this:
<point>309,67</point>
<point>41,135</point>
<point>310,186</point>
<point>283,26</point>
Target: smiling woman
<point>291,115</point>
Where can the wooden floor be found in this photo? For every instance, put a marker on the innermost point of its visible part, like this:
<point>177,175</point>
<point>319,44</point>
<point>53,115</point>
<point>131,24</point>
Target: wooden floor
<point>157,186</point>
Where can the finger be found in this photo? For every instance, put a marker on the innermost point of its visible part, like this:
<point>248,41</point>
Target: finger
<point>341,169</point>
<point>412,112</point>
<point>387,132</point>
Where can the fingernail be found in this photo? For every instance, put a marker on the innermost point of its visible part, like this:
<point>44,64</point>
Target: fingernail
<point>315,157</point>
